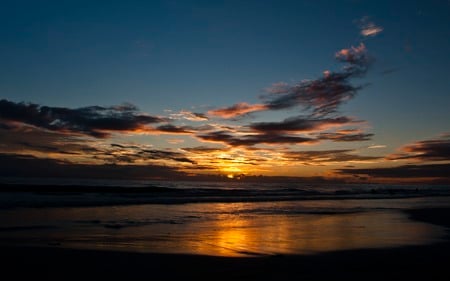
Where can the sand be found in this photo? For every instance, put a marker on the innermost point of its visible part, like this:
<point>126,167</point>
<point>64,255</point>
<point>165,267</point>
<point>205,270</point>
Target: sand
<point>426,262</point>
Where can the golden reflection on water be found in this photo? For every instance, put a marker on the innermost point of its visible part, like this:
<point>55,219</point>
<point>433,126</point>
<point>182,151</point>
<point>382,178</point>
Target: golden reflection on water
<point>223,229</point>
<point>306,234</point>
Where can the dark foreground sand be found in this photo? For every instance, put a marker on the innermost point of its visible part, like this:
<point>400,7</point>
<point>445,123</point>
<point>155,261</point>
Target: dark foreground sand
<point>430,262</point>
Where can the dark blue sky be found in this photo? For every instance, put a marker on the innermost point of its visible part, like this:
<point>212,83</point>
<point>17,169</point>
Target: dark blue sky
<point>198,56</point>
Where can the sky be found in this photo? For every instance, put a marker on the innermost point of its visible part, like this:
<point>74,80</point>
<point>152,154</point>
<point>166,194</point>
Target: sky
<point>352,91</point>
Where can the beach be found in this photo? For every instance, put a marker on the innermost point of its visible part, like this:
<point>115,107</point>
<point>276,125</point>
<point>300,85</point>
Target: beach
<point>419,262</point>
<point>218,231</point>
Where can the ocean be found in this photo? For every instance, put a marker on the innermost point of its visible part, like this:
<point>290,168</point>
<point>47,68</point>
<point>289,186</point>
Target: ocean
<point>215,218</point>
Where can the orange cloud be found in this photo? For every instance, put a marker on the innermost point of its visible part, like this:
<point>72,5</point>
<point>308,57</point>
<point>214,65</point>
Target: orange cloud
<point>371,30</point>
<point>353,55</point>
<point>426,150</point>
<point>368,28</point>
<point>236,110</point>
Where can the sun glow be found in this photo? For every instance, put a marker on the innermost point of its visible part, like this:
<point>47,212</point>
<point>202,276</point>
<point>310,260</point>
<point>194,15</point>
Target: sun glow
<point>232,172</point>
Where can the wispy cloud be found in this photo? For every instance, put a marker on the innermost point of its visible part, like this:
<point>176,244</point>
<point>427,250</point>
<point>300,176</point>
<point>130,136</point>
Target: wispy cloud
<point>328,156</point>
<point>296,130</point>
<point>318,98</point>
<point>432,158</point>
<point>30,166</point>
<point>140,154</point>
<point>80,149</point>
<point>345,136</point>
<point>371,30</point>
<point>368,28</point>
<point>34,141</point>
<point>188,115</point>
<point>357,58</point>
<point>173,129</point>
<point>253,139</point>
<point>156,154</point>
<point>325,94</point>
<point>427,150</point>
<point>94,121</point>
<point>377,146</point>
<point>433,171</point>
<point>322,95</point>
<point>236,110</point>
<point>205,149</point>
<point>300,124</point>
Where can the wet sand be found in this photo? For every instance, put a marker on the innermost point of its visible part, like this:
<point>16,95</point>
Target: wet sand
<point>427,262</point>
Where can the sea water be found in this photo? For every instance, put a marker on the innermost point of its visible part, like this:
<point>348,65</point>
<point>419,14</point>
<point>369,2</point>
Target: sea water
<point>221,218</point>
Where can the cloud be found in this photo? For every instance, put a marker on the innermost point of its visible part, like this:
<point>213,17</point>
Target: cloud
<point>204,149</point>
<point>326,156</point>
<point>125,146</point>
<point>32,140</point>
<point>77,149</point>
<point>325,94</point>
<point>371,30</point>
<point>343,136</point>
<point>434,150</point>
<point>172,129</point>
<point>322,96</point>
<point>405,171</point>
<point>355,56</point>
<point>164,155</point>
<point>30,166</point>
<point>80,134</point>
<point>236,110</point>
<point>228,159</point>
<point>368,28</point>
<point>286,132</point>
<point>94,121</point>
<point>300,124</point>
<point>253,139</point>
<point>191,116</point>
<point>377,146</point>
<point>169,128</point>
<point>143,154</point>
<point>427,150</point>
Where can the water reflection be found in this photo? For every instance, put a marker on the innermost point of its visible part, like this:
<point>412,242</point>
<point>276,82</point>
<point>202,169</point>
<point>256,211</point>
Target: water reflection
<point>234,229</point>
<point>306,234</point>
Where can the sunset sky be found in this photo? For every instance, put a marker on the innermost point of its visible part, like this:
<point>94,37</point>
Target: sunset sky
<point>352,90</point>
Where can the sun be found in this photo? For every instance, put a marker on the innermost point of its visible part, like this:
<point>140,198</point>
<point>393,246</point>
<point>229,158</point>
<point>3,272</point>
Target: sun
<point>231,171</point>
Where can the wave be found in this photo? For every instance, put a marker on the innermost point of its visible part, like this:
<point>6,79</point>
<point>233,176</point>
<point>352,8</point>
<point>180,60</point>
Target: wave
<point>45,195</point>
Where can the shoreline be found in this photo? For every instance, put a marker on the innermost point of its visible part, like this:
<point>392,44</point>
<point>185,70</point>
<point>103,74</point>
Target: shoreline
<point>423,262</point>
